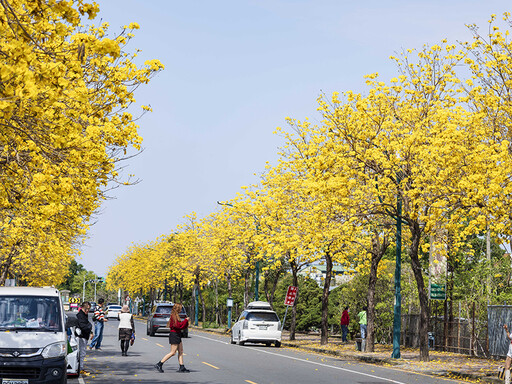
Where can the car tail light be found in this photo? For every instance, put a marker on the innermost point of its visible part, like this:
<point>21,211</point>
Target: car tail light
<point>246,324</point>
<point>158,315</point>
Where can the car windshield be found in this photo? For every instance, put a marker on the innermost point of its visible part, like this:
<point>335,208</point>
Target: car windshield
<point>38,313</point>
<point>262,316</point>
<point>165,309</point>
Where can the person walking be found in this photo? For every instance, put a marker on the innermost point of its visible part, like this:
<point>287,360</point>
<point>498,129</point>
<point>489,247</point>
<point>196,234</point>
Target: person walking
<point>99,323</point>
<point>84,334</point>
<point>508,360</point>
<point>175,325</point>
<point>126,329</point>
<point>363,322</point>
<point>344,322</point>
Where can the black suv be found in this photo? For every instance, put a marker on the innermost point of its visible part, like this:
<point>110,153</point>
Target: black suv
<point>159,316</point>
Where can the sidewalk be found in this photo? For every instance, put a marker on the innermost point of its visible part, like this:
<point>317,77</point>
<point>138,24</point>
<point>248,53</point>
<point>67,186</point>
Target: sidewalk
<point>445,364</point>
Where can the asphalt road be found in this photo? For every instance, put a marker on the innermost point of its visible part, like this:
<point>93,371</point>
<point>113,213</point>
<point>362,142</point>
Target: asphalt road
<point>212,359</point>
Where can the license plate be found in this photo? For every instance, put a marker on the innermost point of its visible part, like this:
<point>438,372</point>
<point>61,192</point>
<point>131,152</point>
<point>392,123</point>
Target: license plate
<point>263,327</point>
<point>14,381</point>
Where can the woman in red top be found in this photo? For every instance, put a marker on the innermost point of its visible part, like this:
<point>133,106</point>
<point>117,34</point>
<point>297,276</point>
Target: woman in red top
<point>175,325</point>
<point>345,321</point>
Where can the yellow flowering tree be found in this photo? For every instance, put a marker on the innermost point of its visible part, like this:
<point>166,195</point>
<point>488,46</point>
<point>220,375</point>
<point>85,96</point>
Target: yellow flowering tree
<point>63,94</point>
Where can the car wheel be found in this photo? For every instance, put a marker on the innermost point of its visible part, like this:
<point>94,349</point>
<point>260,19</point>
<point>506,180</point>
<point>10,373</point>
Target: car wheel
<point>268,343</point>
<point>152,332</point>
<point>147,330</point>
<point>232,341</point>
<point>278,344</point>
<point>242,343</point>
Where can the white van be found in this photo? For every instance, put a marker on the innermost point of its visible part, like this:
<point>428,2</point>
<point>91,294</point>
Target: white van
<point>33,340</point>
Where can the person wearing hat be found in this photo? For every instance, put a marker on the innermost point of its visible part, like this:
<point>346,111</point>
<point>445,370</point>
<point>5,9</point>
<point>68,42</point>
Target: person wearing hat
<point>126,329</point>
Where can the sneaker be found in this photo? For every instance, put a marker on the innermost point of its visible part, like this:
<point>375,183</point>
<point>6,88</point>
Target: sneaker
<point>99,349</point>
<point>183,370</point>
<point>158,367</point>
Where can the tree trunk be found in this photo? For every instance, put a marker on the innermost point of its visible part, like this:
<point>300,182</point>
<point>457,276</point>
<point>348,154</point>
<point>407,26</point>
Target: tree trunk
<point>7,264</point>
<point>325,299</point>
<point>274,278</point>
<point>372,283</point>
<point>247,281</point>
<point>293,324</point>
<point>422,293</point>
<point>228,282</point>
<point>216,291</point>
<point>202,302</point>
<point>378,250</point>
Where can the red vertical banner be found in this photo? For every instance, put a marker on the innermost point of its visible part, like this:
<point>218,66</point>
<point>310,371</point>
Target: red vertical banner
<point>291,295</point>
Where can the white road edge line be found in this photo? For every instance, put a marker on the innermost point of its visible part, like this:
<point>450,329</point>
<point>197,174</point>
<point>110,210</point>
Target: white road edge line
<point>81,380</point>
<point>312,362</point>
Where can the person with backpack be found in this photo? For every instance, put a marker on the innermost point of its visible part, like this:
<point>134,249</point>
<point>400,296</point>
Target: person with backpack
<point>175,325</point>
<point>99,323</point>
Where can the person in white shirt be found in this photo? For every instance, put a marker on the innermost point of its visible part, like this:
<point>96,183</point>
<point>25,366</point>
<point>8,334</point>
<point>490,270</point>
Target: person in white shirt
<point>126,329</point>
<point>508,360</point>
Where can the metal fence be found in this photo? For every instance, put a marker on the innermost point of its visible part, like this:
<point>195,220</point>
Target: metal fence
<point>471,336</point>
<point>497,315</point>
<point>459,335</point>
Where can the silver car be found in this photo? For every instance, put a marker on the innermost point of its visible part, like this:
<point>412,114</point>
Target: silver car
<point>258,323</point>
<point>159,316</point>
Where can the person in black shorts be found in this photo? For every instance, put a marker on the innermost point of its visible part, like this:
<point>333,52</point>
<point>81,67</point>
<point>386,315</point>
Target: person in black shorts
<point>175,325</point>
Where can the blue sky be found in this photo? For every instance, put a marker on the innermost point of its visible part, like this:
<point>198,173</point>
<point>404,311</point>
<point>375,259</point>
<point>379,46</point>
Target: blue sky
<point>234,70</point>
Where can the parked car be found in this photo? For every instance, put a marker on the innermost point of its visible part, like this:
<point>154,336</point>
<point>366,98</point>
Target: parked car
<point>113,311</point>
<point>258,323</point>
<point>159,316</point>
<point>33,339</point>
<point>73,359</point>
<point>93,306</point>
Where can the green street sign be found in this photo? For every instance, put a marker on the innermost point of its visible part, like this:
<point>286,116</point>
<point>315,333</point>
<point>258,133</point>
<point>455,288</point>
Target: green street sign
<point>437,291</point>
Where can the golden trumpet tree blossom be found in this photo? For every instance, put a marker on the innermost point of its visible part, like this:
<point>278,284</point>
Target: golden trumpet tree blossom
<point>64,90</point>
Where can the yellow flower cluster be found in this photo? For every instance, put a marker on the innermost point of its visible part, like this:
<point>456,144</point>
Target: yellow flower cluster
<point>63,89</point>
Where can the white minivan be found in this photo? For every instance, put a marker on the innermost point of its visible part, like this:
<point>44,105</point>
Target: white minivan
<point>258,323</point>
<point>33,340</point>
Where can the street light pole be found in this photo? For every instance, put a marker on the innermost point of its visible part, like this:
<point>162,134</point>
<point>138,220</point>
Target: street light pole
<point>83,290</point>
<point>398,295</point>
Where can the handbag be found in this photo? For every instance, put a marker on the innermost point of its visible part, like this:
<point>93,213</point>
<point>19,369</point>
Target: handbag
<point>132,339</point>
<point>501,373</point>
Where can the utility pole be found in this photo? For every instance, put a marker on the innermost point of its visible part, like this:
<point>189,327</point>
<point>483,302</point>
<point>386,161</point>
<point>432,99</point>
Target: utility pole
<point>397,320</point>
